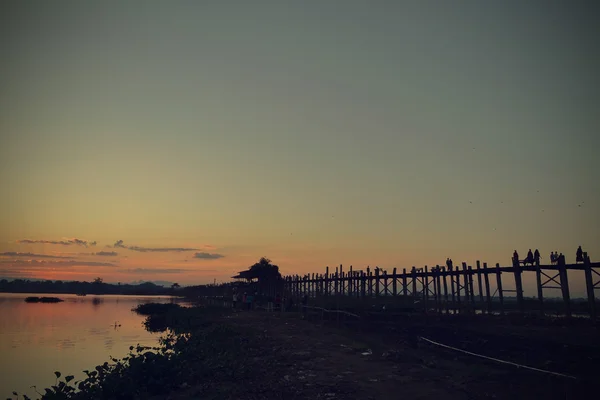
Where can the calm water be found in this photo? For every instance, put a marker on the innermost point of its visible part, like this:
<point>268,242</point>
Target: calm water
<point>37,339</point>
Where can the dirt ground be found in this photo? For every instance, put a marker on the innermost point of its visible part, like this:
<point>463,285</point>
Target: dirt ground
<point>317,359</point>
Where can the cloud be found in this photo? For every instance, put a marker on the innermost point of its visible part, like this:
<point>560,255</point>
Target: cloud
<point>66,242</point>
<point>155,271</point>
<point>70,263</point>
<point>119,244</point>
<point>208,256</point>
<point>106,253</point>
<point>31,255</point>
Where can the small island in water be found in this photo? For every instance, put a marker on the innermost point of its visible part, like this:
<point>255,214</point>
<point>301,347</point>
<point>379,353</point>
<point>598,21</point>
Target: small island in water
<point>43,300</point>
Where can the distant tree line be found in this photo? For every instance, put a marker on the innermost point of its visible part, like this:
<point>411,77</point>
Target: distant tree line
<point>98,286</point>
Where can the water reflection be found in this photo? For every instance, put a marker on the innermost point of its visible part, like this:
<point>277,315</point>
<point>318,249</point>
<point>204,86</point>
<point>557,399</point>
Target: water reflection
<point>37,339</point>
<point>98,300</point>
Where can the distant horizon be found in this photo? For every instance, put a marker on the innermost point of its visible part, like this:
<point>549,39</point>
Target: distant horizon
<point>576,278</point>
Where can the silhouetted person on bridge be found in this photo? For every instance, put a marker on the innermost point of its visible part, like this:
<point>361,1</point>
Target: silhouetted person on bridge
<point>529,259</point>
<point>579,255</point>
<point>552,258</point>
<point>449,264</point>
<point>515,257</point>
<point>536,256</point>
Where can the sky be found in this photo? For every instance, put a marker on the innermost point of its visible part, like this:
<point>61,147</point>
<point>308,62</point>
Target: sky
<point>184,140</point>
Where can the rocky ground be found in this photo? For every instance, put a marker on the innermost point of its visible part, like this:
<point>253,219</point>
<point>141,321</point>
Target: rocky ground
<point>287,357</point>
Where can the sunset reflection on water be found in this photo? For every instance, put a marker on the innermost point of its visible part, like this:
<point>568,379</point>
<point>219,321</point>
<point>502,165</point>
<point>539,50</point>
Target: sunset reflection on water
<point>37,339</point>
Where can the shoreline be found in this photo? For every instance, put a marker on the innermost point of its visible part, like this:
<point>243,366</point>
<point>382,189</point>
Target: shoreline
<point>214,352</point>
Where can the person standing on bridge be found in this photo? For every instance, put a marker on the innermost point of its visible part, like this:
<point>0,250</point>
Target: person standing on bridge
<point>536,256</point>
<point>529,259</point>
<point>515,257</point>
<point>449,264</point>
<point>579,255</point>
<point>552,258</point>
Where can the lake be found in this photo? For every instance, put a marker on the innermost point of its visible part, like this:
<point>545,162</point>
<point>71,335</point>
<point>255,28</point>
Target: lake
<point>37,339</point>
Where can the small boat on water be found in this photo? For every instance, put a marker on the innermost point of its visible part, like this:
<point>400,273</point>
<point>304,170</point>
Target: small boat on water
<point>42,300</point>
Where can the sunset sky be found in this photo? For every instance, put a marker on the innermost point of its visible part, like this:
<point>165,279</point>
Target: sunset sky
<point>182,141</point>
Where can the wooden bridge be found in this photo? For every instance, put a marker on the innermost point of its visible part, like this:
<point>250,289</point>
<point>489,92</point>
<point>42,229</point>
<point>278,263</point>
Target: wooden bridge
<point>451,289</point>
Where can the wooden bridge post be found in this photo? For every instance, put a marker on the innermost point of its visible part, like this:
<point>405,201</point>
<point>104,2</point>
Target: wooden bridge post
<point>436,293</point>
<point>307,285</point>
<point>317,285</point>
<point>499,283</point>
<point>376,281</point>
<point>438,289</point>
<point>589,284</point>
<point>335,281</point>
<point>395,283</point>
<point>518,283</point>
<point>434,275</point>
<point>327,281</point>
<point>320,284</point>
<point>479,286</point>
<point>486,279</point>
<point>564,284</point>
<point>404,284</point>
<point>451,273</point>
<point>363,289</point>
<point>341,287</point>
<point>473,305</point>
<point>445,278</point>
<point>466,285</point>
<point>414,284</point>
<point>370,281</point>
<point>425,283</point>
<point>385,283</point>
<point>538,279</point>
<point>350,282</point>
<point>294,286</point>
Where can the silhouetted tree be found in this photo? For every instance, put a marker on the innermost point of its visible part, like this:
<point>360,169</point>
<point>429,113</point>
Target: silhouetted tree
<point>98,280</point>
<point>266,273</point>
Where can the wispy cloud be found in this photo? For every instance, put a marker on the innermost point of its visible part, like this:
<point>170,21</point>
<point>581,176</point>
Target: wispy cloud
<point>65,242</point>
<point>53,263</point>
<point>106,253</point>
<point>208,256</point>
<point>32,255</point>
<point>119,244</point>
<point>155,271</point>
